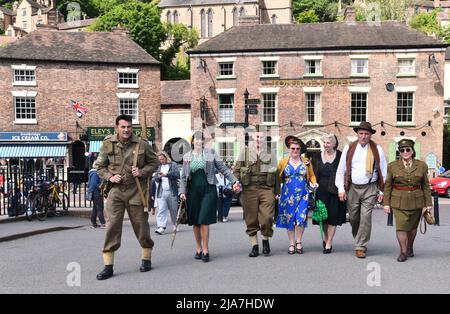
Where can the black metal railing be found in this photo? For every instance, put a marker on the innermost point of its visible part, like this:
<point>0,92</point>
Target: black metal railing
<point>16,182</point>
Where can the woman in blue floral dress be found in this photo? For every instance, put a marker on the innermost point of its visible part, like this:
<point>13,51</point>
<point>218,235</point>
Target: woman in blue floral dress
<point>295,173</point>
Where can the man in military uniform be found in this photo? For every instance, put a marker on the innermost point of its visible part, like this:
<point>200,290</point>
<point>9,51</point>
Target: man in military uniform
<point>256,171</point>
<point>115,165</point>
<point>407,192</point>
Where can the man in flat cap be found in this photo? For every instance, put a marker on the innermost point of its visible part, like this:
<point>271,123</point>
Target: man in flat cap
<point>360,181</point>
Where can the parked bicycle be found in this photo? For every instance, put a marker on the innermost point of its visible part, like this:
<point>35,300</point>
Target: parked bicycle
<point>47,199</point>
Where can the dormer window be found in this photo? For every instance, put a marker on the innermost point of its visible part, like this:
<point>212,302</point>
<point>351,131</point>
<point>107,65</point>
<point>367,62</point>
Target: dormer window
<point>24,75</point>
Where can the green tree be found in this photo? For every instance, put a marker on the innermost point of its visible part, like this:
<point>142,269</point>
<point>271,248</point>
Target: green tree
<point>180,38</point>
<point>86,7</point>
<point>143,21</point>
<point>325,10</point>
<point>426,23</point>
<point>307,17</point>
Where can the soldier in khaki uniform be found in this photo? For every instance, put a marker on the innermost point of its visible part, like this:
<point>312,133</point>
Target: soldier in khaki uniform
<point>257,174</point>
<point>115,165</point>
<point>408,193</point>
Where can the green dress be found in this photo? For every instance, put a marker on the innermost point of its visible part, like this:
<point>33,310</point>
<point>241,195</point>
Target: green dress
<point>201,199</point>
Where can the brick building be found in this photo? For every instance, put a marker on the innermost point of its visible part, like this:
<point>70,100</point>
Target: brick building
<point>40,75</point>
<point>316,78</point>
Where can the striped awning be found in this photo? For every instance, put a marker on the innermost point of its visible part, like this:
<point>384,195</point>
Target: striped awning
<point>21,151</point>
<point>94,146</point>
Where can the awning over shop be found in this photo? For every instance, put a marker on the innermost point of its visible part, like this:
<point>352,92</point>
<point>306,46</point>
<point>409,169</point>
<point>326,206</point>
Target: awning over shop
<point>21,151</point>
<point>94,146</point>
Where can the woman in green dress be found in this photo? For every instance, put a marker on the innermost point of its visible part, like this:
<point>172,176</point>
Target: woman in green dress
<point>198,188</point>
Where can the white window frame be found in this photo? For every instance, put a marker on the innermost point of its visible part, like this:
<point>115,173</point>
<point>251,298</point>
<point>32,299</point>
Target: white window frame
<point>263,107</point>
<point>354,67</point>
<point>317,107</point>
<point>24,94</point>
<point>360,91</point>
<point>446,113</point>
<point>318,63</point>
<point>127,71</point>
<point>129,96</point>
<point>404,91</point>
<point>227,150</point>
<point>24,67</point>
<point>406,73</point>
<point>225,92</point>
<point>269,59</point>
<point>225,61</point>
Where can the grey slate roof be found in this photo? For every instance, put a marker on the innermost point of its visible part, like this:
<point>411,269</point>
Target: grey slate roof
<point>175,92</point>
<point>317,36</point>
<point>98,47</point>
<point>183,3</point>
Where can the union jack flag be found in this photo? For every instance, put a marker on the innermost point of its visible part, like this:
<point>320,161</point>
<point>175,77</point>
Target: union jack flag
<point>80,109</point>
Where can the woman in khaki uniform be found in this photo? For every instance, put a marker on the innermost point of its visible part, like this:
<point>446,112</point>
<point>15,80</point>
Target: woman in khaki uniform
<point>407,192</point>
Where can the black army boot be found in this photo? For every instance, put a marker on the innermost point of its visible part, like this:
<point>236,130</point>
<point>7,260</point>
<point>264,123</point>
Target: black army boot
<point>266,247</point>
<point>255,251</point>
<point>106,273</point>
<point>145,266</point>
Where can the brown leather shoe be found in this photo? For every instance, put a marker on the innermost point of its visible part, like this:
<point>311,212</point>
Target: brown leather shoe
<point>360,254</point>
<point>402,257</point>
<point>410,252</point>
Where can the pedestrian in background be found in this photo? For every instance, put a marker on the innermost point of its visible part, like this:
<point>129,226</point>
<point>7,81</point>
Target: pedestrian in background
<point>166,178</point>
<point>198,188</point>
<point>325,168</point>
<point>224,190</point>
<point>407,193</point>
<point>95,195</point>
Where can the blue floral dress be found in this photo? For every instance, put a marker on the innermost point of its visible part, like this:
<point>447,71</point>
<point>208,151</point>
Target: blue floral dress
<point>293,202</point>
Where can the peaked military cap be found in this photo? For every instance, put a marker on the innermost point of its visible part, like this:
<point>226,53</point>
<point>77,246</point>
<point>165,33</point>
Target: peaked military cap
<point>406,143</point>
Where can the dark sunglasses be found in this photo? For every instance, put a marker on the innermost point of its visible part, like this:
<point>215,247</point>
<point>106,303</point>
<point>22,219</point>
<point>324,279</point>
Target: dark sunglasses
<point>402,150</point>
<point>295,148</point>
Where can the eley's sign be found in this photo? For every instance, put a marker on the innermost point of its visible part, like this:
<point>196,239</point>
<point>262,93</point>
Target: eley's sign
<point>99,133</point>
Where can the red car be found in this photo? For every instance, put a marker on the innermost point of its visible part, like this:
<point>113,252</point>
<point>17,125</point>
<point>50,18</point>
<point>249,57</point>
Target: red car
<point>441,184</point>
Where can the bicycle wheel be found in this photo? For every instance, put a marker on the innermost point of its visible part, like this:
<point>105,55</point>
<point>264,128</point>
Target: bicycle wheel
<point>40,206</point>
<point>62,202</point>
<point>30,209</point>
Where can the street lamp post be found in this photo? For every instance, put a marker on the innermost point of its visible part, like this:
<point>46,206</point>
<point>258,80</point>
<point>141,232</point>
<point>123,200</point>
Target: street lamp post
<point>246,94</point>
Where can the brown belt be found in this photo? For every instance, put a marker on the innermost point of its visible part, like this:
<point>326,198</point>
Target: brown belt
<point>406,187</point>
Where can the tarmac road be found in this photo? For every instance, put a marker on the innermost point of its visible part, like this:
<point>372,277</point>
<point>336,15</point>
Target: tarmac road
<point>49,262</point>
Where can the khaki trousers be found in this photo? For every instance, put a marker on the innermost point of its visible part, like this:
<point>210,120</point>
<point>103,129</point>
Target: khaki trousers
<point>258,202</point>
<point>360,202</point>
<point>118,201</point>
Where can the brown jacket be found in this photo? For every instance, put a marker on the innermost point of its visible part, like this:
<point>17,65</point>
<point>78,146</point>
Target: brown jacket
<point>403,199</point>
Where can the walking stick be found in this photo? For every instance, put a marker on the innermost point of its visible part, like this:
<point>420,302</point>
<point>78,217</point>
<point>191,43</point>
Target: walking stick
<point>143,123</point>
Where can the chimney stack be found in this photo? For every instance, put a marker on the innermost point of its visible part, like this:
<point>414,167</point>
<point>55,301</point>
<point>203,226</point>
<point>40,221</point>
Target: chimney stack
<point>120,30</point>
<point>350,15</point>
